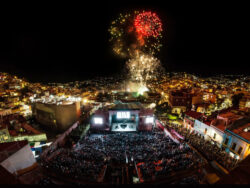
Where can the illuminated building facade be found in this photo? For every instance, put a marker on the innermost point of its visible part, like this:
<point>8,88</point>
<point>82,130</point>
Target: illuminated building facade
<point>190,118</point>
<point>228,130</point>
<point>236,140</point>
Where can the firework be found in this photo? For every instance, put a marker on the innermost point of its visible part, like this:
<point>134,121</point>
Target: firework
<point>135,32</point>
<point>148,24</point>
<point>137,36</point>
<point>143,68</point>
<point>136,87</point>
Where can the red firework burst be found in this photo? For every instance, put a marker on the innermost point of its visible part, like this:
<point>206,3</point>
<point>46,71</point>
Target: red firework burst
<point>148,24</point>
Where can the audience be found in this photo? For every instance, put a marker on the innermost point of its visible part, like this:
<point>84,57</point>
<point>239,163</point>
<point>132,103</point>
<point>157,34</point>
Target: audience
<point>154,153</point>
<point>209,150</point>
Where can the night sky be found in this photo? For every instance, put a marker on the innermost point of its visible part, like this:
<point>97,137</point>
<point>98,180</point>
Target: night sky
<point>67,42</point>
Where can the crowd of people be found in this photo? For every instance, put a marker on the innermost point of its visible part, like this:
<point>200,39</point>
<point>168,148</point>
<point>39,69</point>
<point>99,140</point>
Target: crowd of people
<point>154,154</point>
<point>209,149</point>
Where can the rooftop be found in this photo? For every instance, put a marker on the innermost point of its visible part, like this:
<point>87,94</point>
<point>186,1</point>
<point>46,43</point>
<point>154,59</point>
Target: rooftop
<point>27,129</point>
<point>228,115</point>
<point>207,122</point>
<point>219,124</point>
<point>241,128</point>
<point>126,106</point>
<point>193,114</point>
<point>59,100</point>
<point>9,148</point>
<point>225,119</point>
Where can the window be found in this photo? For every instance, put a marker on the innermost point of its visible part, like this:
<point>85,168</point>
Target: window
<point>233,146</point>
<point>214,135</point>
<point>226,141</point>
<point>240,150</point>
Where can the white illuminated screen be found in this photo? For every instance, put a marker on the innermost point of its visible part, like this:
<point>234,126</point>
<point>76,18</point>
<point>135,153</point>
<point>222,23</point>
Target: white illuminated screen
<point>149,119</point>
<point>98,120</point>
<point>123,115</point>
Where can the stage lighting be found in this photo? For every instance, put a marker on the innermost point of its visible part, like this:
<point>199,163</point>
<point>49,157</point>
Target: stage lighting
<point>98,120</point>
<point>149,120</point>
<point>123,115</point>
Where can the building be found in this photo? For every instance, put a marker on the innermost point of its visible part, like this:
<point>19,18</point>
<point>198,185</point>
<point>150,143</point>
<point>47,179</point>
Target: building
<point>209,127</point>
<point>217,131</point>
<point>236,140</point>
<point>15,128</point>
<point>203,128</point>
<point>197,98</point>
<point>180,101</point>
<point>229,130</point>
<point>123,117</point>
<point>202,108</point>
<point>57,116</point>
<point>16,156</point>
<point>189,119</point>
<point>209,97</point>
<point>219,125</point>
